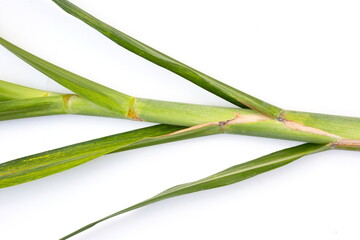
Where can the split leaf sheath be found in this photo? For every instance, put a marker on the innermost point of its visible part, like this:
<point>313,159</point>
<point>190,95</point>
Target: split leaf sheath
<point>227,120</point>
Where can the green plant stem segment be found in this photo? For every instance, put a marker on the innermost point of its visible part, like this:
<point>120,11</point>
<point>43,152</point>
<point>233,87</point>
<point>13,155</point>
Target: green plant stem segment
<point>183,121</point>
<point>218,88</point>
<point>47,163</point>
<point>229,120</point>
<point>54,105</point>
<point>11,91</point>
<point>300,126</point>
<point>229,176</point>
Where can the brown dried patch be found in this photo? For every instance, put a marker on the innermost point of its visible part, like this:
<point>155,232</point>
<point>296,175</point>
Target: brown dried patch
<point>247,118</point>
<point>238,119</point>
<point>347,143</point>
<point>67,101</point>
<point>300,127</point>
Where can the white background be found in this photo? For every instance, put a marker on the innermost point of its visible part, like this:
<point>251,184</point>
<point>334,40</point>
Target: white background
<point>299,55</point>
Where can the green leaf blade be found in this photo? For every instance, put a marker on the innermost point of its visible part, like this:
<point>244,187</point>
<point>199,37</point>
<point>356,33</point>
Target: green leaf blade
<point>46,163</point>
<point>231,175</point>
<point>43,164</point>
<point>206,82</point>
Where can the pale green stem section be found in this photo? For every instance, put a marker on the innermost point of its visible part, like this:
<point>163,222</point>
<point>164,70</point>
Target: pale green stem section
<point>306,127</point>
<point>247,122</point>
<point>240,121</point>
<point>12,91</point>
<point>347,127</point>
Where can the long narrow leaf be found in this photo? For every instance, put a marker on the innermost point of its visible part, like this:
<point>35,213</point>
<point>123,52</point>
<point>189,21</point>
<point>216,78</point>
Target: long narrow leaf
<point>50,162</point>
<point>222,90</point>
<point>97,93</point>
<point>229,176</point>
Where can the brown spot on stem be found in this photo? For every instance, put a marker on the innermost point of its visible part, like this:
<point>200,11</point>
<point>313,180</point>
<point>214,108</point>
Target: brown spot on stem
<point>281,116</point>
<point>67,101</point>
<point>348,143</point>
<point>132,111</point>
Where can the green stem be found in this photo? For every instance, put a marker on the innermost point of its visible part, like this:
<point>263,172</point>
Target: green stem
<point>239,121</point>
<point>299,126</point>
<point>12,91</point>
<point>307,127</point>
<point>54,105</point>
<point>31,107</point>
